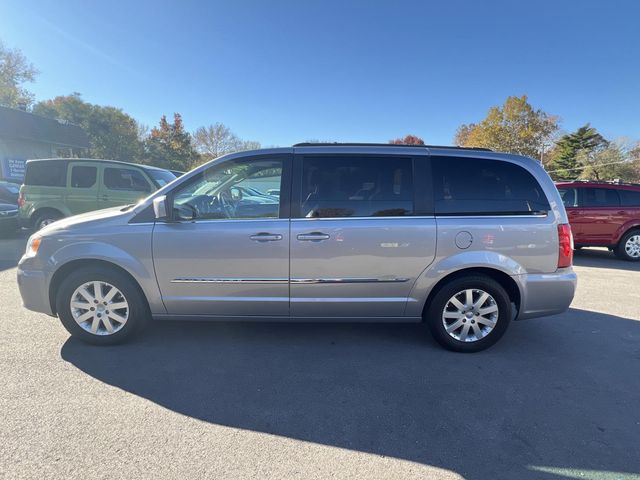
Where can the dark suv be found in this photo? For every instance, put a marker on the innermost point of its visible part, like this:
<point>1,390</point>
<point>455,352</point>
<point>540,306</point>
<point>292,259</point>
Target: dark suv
<point>605,215</point>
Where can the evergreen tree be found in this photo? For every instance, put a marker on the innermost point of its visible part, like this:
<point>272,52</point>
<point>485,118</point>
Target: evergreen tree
<point>565,161</point>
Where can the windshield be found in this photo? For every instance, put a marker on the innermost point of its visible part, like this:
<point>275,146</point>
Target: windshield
<point>161,177</point>
<point>12,187</point>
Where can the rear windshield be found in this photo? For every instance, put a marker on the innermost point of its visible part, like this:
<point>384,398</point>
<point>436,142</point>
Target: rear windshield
<point>46,174</point>
<point>160,177</point>
<point>472,186</point>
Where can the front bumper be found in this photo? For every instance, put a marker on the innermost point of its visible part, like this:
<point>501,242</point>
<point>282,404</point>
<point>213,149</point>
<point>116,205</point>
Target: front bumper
<point>34,290</point>
<point>546,293</point>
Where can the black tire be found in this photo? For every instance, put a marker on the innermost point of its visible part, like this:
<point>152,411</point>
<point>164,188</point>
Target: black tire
<point>620,248</point>
<point>138,309</point>
<point>434,313</point>
<point>44,218</point>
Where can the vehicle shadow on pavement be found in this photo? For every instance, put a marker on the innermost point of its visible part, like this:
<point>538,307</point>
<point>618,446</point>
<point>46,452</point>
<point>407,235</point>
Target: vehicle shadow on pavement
<point>555,393</point>
<point>602,258</point>
<point>11,248</point>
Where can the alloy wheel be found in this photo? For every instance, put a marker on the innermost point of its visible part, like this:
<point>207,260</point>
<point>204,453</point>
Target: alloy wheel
<point>632,246</point>
<point>99,308</point>
<point>470,315</point>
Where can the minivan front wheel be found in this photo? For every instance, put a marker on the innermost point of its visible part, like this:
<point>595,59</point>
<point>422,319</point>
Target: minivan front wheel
<point>101,306</point>
<point>469,313</point>
<point>629,246</point>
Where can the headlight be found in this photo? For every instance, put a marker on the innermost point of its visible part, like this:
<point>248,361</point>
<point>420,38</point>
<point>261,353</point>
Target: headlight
<point>33,245</point>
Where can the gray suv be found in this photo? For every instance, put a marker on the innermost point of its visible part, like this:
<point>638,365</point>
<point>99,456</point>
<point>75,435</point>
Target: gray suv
<point>464,240</point>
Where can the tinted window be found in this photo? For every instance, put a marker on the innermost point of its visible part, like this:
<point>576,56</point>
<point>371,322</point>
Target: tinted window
<point>471,186</point>
<point>83,176</point>
<point>161,177</point>
<point>600,197</point>
<point>125,179</point>
<point>234,189</point>
<point>46,174</point>
<point>630,198</point>
<point>569,196</point>
<point>356,187</point>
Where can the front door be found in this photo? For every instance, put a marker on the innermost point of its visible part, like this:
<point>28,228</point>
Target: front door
<point>357,245</point>
<point>226,250</point>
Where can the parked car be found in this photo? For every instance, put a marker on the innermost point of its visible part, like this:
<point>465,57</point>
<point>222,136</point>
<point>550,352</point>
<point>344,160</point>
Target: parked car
<point>604,215</point>
<point>9,192</point>
<point>465,240</point>
<point>8,219</point>
<point>59,187</point>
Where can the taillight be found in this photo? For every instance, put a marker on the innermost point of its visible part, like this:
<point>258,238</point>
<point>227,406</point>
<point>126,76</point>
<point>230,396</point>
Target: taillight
<point>21,199</point>
<point>565,246</point>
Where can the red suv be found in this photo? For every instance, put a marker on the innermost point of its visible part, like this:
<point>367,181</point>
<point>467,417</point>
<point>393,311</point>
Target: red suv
<point>604,215</point>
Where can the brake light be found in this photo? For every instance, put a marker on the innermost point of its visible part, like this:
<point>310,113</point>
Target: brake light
<point>565,246</point>
<point>21,199</point>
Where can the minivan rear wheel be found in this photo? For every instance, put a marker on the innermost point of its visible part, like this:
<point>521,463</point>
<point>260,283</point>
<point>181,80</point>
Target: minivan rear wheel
<point>469,313</point>
<point>629,246</point>
<point>101,306</point>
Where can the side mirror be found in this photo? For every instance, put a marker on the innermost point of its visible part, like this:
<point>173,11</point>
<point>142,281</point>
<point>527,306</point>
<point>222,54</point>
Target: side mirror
<point>160,207</point>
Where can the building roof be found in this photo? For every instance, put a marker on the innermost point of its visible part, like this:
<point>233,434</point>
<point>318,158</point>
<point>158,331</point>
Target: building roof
<point>27,126</point>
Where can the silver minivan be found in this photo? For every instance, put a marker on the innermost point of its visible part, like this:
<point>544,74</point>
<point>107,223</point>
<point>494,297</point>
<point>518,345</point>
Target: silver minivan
<point>464,240</point>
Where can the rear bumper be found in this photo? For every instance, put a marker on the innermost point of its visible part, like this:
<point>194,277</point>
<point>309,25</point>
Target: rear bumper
<point>546,293</point>
<point>34,290</point>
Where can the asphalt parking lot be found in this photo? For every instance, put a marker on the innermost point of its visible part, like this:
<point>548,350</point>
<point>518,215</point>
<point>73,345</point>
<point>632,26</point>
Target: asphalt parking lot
<point>558,397</point>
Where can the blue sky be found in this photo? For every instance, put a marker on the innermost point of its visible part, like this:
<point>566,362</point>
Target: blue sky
<point>286,71</point>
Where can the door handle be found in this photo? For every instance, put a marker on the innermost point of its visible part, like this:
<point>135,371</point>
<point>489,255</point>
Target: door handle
<point>266,237</point>
<point>313,237</point>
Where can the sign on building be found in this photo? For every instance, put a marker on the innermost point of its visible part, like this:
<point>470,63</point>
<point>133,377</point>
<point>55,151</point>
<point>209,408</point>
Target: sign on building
<point>13,169</point>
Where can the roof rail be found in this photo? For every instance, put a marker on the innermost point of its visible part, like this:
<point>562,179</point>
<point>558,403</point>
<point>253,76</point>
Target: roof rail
<point>339,144</point>
<point>608,182</point>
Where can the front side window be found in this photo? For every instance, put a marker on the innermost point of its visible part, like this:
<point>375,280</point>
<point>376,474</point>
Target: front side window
<point>600,197</point>
<point>356,186</point>
<point>83,176</point>
<point>569,196</point>
<point>125,179</point>
<point>630,198</point>
<point>236,189</point>
<point>474,186</point>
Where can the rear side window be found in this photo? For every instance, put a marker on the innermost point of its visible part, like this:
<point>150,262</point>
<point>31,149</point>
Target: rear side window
<point>473,186</point>
<point>600,197</point>
<point>83,176</point>
<point>125,179</point>
<point>630,198</point>
<point>46,174</point>
<point>356,186</point>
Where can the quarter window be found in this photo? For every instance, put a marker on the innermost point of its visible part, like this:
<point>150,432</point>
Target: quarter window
<point>46,174</point>
<point>569,196</point>
<point>125,179</point>
<point>473,186</point>
<point>236,189</point>
<point>600,197</point>
<point>346,186</point>
<point>83,176</point>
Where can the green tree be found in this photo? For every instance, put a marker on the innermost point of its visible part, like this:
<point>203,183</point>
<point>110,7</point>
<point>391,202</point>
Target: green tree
<point>170,146</point>
<point>585,142</point>
<point>112,133</point>
<point>612,162</point>
<point>216,140</point>
<point>15,70</point>
<point>514,127</point>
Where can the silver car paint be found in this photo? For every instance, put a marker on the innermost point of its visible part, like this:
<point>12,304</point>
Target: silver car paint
<point>368,268</point>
